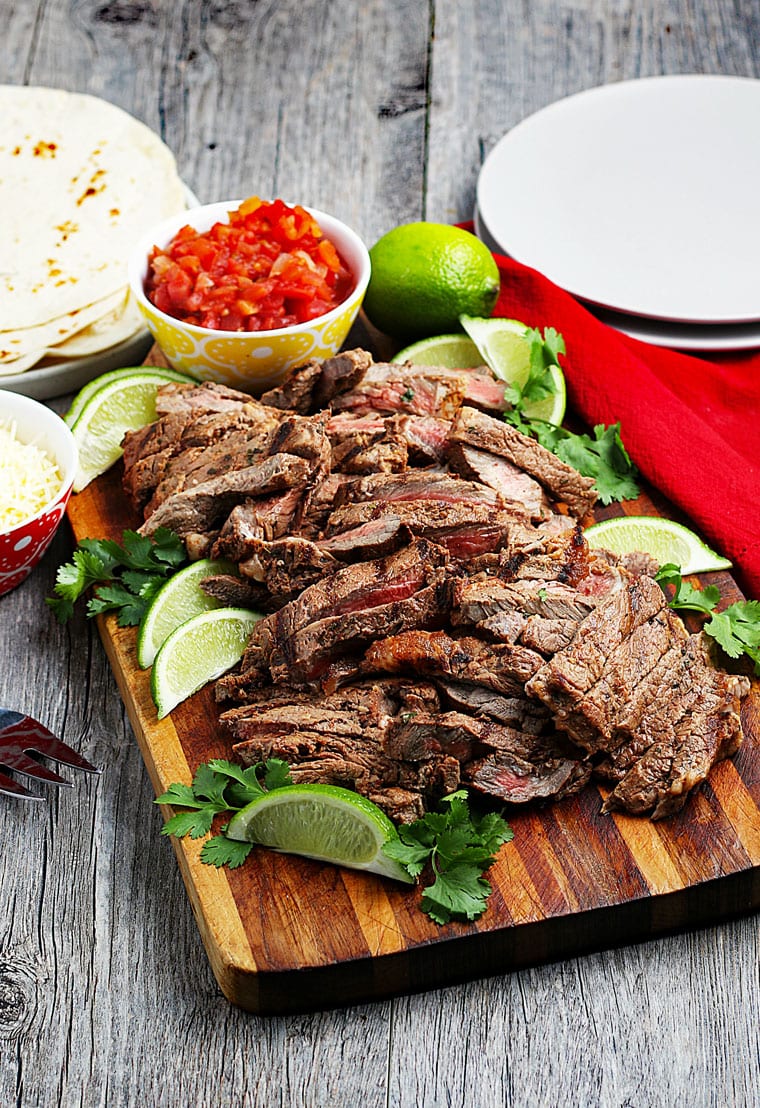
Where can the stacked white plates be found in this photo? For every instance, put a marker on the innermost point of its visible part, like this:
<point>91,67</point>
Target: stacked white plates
<point>641,199</point>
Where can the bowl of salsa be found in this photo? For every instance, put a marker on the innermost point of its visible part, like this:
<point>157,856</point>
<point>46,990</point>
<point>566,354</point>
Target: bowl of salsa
<point>241,291</point>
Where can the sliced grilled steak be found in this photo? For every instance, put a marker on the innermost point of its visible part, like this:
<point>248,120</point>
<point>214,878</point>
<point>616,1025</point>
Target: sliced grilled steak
<point>565,484</point>
<point>422,390</point>
<point>569,674</point>
<point>502,667</point>
<point>501,475</point>
<point>353,589</point>
<point>286,565</point>
<point>268,518</point>
<point>518,781</point>
<point>305,655</point>
<point>206,506</point>
<point>685,748</point>
<point>361,454</point>
<point>370,540</point>
<point>236,592</point>
<point>521,712</point>
<point>207,397</point>
<point>426,437</point>
<point>479,598</point>
<point>418,485</point>
<point>312,386</point>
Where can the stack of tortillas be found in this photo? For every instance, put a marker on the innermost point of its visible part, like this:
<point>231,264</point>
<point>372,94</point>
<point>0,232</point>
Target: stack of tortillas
<point>80,180</point>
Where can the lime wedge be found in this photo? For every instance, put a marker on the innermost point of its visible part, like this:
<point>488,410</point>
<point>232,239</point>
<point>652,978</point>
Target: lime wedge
<point>503,346</point>
<point>198,651</point>
<point>176,601</point>
<point>323,822</point>
<point>92,387</point>
<point>121,405</point>
<point>665,540</point>
<point>449,351</point>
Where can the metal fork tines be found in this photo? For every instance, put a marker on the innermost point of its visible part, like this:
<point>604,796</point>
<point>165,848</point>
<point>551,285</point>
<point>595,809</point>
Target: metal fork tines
<point>21,736</point>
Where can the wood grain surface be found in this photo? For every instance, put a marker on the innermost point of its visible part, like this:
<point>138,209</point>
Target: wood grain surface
<point>380,111</point>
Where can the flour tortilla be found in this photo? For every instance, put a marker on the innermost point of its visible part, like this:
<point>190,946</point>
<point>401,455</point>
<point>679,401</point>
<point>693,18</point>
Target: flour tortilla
<point>15,344</point>
<point>120,324</point>
<point>80,179</point>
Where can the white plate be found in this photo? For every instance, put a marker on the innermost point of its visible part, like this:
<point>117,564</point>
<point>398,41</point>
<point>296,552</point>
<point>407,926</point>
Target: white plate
<point>640,196</point>
<point>679,336</point>
<point>45,382</point>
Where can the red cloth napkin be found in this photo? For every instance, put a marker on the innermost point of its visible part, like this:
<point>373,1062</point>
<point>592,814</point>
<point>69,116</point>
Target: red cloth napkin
<point>690,424</point>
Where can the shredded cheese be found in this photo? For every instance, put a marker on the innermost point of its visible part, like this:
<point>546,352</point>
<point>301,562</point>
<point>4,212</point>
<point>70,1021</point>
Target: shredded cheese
<point>29,479</point>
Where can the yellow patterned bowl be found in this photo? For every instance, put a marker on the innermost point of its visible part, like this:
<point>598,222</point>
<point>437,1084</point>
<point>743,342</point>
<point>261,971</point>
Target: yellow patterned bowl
<point>249,360</point>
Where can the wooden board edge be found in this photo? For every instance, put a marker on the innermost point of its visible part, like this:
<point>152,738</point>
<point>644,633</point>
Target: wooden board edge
<point>207,887</point>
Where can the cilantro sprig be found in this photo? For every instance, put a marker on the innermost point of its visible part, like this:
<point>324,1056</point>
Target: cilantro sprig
<point>736,629</point>
<point>603,457</point>
<point>220,786</point>
<point>120,577</point>
<point>459,847</point>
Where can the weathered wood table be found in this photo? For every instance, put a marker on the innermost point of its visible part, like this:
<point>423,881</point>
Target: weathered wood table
<point>380,112</point>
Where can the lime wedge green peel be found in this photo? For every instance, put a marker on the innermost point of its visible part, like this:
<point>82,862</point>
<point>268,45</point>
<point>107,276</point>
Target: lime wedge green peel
<point>178,600</point>
<point>663,539</point>
<point>97,383</point>
<point>323,822</point>
<point>506,349</point>
<point>198,651</point>
<point>122,405</point>
<point>449,351</point>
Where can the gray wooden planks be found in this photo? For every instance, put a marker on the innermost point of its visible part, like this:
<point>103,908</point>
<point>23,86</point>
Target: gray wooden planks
<point>381,112</point>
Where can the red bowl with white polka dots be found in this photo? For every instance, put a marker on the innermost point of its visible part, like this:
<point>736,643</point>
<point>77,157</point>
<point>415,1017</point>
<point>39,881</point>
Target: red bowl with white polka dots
<point>23,545</point>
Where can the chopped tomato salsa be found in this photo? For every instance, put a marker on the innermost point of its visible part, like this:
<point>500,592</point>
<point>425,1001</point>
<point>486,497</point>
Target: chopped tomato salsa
<point>269,267</point>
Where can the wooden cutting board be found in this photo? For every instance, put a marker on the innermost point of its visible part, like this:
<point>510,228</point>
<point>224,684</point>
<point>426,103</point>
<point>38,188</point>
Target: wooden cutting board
<point>286,934</point>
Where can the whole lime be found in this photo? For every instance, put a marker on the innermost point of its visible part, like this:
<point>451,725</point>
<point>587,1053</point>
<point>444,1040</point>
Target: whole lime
<point>424,276</point>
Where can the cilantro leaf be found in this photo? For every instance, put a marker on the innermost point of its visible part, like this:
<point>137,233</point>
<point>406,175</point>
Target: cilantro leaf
<point>737,630</point>
<point>460,890</point>
<point>221,851</point>
<point>123,578</point>
<point>219,786</point>
<point>459,848</point>
<point>685,595</point>
<point>195,823</point>
<point>605,459</point>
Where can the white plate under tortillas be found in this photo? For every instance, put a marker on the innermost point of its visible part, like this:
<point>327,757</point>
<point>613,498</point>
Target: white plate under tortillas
<point>80,179</point>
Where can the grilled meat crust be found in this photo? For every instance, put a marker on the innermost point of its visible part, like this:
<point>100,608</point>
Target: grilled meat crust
<point>434,613</point>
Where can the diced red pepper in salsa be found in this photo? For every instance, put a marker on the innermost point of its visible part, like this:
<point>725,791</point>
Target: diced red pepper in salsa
<point>269,267</point>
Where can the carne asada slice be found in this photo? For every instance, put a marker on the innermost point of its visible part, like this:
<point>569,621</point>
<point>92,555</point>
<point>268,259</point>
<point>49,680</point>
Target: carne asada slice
<point>236,592</point>
<point>312,386</point>
<point>502,667</point>
<point>518,781</point>
<point>479,598</point>
<point>530,716</point>
<point>305,655</point>
<point>418,485</point>
<point>206,397</point>
<point>268,517</point>
<point>501,475</point>
<point>286,565</point>
<point>352,589</point>
<point>709,731</point>
<point>357,763</point>
<point>565,484</point>
<point>422,390</point>
<point>207,506</point>
<point>385,452</point>
<point>569,674</point>
<point>369,540</point>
